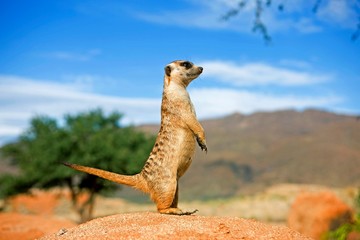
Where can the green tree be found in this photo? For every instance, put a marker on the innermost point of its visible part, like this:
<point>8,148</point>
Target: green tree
<point>91,139</point>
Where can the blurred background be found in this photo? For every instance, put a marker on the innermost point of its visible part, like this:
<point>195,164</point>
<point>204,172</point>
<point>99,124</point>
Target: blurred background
<point>81,81</point>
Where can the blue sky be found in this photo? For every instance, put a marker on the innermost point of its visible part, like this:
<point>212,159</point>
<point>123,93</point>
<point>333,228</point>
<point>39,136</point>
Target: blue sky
<point>60,57</point>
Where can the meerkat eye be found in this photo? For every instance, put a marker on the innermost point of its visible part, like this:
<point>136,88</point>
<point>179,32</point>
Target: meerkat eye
<point>186,64</point>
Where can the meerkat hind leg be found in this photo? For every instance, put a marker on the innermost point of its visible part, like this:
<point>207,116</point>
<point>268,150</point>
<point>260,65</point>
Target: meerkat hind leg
<point>173,209</point>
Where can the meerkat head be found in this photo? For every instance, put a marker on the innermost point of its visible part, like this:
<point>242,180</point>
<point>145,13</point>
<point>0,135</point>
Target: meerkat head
<point>181,72</point>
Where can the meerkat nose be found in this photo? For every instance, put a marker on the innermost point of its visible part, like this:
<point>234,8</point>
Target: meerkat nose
<point>201,69</point>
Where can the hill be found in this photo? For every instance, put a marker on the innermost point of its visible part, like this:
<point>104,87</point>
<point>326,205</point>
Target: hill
<point>247,153</point>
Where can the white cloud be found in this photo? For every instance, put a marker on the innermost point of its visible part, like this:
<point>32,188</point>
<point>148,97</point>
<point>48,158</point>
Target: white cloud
<point>205,15</point>
<point>23,98</point>
<point>296,16</point>
<point>340,12</point>
<point>306,25</point>
<point>212,102</point>
<point>252,74</point>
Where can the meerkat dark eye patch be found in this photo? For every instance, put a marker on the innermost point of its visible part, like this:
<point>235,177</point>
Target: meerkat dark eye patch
<point>168,71</point>
<point>186,64</point>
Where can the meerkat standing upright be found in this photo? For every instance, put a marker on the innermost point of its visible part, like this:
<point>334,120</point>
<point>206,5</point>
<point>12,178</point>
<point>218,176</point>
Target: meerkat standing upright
<point>174,147</point>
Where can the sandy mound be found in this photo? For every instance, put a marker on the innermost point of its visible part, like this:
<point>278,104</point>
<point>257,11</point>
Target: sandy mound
<point>156,226</point>
<point>18,226</point>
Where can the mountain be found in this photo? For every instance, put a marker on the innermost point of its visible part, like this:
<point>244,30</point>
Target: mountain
<point>247,153</point>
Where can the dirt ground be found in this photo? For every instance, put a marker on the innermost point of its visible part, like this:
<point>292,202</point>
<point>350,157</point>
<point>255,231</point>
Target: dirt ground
<point>49,213</point>
<point>20,226</point>
<point>148,225</point>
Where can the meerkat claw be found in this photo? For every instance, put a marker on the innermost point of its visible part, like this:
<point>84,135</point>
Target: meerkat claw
<point>203,148</point>
<point>202,144</point>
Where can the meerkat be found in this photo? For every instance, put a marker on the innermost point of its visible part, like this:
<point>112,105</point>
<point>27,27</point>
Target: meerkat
<point>175,144</point>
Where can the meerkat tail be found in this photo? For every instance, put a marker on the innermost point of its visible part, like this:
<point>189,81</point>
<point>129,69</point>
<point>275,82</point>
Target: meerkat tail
<point>130,180</point>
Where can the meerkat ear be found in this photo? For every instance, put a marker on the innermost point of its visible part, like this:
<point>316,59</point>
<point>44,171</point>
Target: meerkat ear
<point>167,70</point>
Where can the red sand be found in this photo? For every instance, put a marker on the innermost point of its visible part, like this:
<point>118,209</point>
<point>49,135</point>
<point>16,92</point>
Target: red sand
<point>148,225</point>
<point>17,226</point>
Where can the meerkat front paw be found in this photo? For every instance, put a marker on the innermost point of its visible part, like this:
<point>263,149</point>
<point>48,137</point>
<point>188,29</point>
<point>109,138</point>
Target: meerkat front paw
<point>202,144</point>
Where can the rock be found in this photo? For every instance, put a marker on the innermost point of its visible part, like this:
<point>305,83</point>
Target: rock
<point>149,225</point>
<point>314,214</point>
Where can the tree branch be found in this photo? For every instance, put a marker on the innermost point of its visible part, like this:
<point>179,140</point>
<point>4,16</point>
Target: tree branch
<point>260,26</point>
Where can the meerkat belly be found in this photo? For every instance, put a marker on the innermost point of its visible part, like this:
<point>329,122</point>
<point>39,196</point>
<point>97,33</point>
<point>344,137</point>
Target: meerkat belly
<point>171,155</point>
<point>185,151</point>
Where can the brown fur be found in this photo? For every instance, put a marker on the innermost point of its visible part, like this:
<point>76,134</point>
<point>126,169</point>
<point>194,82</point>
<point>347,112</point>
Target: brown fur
<point>174,148</point>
